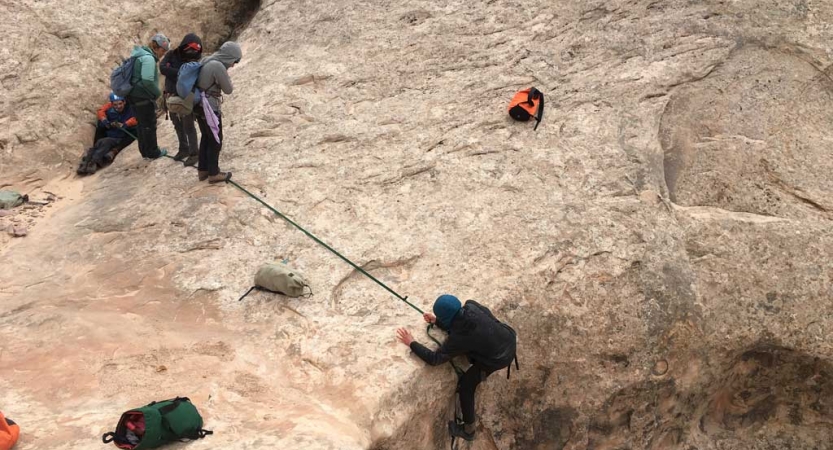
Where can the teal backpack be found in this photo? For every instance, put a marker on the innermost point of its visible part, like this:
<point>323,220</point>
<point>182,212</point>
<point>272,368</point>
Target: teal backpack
<point>157,424</point>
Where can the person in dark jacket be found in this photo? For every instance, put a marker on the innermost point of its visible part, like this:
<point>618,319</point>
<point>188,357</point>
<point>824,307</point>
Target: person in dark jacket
<point>114,131</point>
<point>190,49</point>
<point>142,98</point>
<point>474,332</point>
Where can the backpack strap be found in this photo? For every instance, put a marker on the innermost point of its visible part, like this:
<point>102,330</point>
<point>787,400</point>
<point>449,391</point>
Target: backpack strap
<point>509,367</point>
<point>539,114</point>
<point>248,292</point>
<point>108,437</point>
<point>260,288</point>
<point>203,433</point>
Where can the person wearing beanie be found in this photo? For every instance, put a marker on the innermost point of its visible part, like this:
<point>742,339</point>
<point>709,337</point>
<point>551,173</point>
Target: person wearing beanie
<point>142,98</point>
<point>474,332</point>
<point>214,81</point>
<point>190,49</point>
<point>9,433</point>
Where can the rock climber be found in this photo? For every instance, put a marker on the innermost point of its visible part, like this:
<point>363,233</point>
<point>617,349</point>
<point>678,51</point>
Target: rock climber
<point>190,49</point>
<point>474,332</point>
<point>213,81</point>
<point>114,117</point>
<point>9,432</point>
<point>142,98</point>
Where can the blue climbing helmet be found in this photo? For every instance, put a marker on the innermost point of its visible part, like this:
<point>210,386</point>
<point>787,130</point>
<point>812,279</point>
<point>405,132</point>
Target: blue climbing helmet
<point>446,308</point>
<point>115,98</point>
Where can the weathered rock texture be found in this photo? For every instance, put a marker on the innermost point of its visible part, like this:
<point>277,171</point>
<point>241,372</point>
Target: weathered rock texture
<point>662,243</point>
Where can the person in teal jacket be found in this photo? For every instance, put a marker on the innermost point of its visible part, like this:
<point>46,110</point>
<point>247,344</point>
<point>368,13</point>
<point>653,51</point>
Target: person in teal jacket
<point>142,98</point>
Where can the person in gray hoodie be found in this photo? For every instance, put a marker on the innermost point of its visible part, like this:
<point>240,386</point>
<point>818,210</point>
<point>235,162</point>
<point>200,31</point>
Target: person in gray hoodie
<point>214,81</point>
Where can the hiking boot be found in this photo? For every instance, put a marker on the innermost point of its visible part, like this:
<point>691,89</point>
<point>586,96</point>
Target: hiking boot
<point>86,167</point>
<point>192,160</point>
<point>202,175</point>
<point>219,178</point>
<point>181,155</point>
<point>458,431</point>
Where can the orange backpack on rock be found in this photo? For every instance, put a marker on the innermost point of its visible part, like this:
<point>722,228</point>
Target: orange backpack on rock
<point>9,432</point>
<point>526,104</point>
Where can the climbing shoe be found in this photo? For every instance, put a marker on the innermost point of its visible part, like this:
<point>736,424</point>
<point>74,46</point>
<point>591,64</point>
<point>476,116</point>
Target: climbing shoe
<point>192,160</point>
<point>459,431</point>
<point>202,175</point>
<point>219,178</point>
<point>181,155</point>
<point>162,152</point>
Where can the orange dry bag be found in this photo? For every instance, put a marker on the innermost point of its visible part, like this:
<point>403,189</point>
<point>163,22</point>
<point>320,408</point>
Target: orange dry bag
<point>526,104</point>
<point>9,432</point>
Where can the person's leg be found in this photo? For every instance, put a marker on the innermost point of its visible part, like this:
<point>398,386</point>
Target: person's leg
<point>146,116</point>
<point>102,148</point>
<point>214,150</point>
<point>189,125</point>
<point>205,135</point>
<point>120,145</point>
<point>183,152</point>
<point>215,176</point>
<point>190,128</point>
<point>85,163</point>
<point>468,385</point>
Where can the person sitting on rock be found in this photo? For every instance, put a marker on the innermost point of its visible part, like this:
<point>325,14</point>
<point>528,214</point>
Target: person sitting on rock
<point>9,432</point>
<point>474,332</point>
<point>110,136</point>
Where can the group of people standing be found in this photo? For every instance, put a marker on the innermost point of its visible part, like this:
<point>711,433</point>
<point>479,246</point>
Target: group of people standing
<point>124,119</point>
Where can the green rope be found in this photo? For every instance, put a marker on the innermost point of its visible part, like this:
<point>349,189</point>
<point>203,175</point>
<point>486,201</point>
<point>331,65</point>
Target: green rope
<point>323,244</point>
<point>345,259</point>
<point>129,133</point>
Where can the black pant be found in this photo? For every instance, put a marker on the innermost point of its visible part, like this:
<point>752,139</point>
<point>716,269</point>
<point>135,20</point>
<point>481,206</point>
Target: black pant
<point>209,147</point>
<point>146,115</point>
<point>186,132</point>
<point>107,145</point>
<point>102,153</point>
<point>466,386</point>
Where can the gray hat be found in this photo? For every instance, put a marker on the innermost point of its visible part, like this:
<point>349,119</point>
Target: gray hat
<point>161,40</point>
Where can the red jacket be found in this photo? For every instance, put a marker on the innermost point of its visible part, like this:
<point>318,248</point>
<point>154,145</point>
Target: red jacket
<point>8,434</point>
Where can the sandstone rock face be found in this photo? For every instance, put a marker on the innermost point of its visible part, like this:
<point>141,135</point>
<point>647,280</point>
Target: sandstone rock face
<point>662,243</point>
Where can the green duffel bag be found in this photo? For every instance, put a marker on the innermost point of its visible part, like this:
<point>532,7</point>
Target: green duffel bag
<point>10,199</point>
<point>157,424</point>
<point>279,278</point>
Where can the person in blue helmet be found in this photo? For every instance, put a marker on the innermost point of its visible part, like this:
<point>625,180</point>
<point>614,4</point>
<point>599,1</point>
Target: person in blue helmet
<point>114,131</point>
<point>474,332</point>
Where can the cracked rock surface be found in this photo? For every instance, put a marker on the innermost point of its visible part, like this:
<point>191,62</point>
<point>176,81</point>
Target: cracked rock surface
<point>662,243</point>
